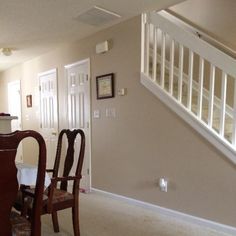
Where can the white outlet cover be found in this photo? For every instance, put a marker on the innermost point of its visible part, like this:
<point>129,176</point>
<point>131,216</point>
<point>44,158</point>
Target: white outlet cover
<point>96,114</point>
<point>122,92</point>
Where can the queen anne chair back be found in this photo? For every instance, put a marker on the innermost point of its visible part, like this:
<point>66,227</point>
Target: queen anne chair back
<point>9,184</point>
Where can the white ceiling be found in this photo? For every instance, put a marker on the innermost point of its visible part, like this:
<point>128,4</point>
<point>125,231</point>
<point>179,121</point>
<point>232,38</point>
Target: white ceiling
<point>34,27</point>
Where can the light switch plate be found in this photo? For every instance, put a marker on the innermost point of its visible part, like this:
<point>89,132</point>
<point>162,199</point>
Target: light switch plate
<point>110,112</point>
<point>96,114</point>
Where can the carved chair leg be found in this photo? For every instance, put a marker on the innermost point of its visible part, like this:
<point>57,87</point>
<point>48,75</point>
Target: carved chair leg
<point>25,207</point>
<point>55,222</point>
<point>75,219</point>
<point>25,201</point>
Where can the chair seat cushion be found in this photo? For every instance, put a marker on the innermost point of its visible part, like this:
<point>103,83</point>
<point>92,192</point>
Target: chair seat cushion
<point>58,196</point>
<point>20,225</point>
<point>61,196</point>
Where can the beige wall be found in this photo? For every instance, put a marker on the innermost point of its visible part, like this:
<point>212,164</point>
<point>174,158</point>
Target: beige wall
<point>214,17</point>
<point>145,140</point>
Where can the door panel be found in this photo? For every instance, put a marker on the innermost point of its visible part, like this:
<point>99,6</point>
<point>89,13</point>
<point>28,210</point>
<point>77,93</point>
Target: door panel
<point>49,113</point>
<point>14,108</point>
<point>79,111</point>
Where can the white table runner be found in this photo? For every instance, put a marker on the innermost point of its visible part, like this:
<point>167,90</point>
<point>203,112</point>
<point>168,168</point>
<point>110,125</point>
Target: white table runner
<point>27,175</point>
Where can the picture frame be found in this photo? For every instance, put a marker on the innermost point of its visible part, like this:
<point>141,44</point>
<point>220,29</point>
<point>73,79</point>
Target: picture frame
<point>29,100</point>
<point>105,86</point>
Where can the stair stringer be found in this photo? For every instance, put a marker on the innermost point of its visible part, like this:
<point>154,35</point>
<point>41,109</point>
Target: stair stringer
<point>212,136</point>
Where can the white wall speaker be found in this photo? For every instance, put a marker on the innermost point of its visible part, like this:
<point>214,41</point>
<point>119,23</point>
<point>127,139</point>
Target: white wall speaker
<point>102,47</point>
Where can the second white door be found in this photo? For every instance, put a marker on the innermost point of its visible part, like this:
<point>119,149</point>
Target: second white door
<point>49,113</point>
<point>79,110</point>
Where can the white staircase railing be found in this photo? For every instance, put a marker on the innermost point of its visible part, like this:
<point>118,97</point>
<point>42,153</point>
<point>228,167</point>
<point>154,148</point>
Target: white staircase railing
<point>195,79</point>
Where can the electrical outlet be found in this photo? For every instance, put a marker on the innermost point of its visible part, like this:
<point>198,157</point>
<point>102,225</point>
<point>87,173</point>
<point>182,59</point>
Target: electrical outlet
<point>163,184</point>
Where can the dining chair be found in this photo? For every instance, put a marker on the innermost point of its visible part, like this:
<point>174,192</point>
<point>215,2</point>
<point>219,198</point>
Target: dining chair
<point>56,197</point>
<point>11,223</point>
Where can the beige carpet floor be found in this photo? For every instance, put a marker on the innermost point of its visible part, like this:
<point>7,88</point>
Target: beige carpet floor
<point>103,216</point>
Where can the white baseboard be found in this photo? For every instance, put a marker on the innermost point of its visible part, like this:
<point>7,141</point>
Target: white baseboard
<point>172,213</point>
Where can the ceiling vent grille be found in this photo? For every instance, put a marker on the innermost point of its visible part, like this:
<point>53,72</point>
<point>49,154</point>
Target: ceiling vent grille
<point>97,16</point>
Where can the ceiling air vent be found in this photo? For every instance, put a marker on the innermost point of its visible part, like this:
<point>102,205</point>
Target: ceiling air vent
<point>97,16</point>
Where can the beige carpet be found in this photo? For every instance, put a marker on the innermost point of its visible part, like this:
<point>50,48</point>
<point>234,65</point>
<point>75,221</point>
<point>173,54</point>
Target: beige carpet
<point>103,216</point>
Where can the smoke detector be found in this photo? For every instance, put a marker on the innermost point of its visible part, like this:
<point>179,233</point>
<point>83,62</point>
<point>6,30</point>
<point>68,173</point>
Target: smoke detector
<point>6,51</point>
<point>97,16</point>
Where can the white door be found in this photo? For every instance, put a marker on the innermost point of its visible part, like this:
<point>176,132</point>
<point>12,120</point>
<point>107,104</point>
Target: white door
<point>78,78</point>
<point>49,113</point>
<point>14,108</point>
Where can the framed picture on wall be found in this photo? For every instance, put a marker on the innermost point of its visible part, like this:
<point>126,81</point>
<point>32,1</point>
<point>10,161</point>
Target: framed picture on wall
<point>29,100</point>
<point>105,86</point>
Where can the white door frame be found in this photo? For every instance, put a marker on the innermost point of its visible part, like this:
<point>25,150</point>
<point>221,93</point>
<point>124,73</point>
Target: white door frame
<point>89,132</point>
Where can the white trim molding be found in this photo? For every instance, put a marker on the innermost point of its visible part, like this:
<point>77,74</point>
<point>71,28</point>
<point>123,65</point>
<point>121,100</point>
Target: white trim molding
<point>54,70</point>
<point>171,213</point>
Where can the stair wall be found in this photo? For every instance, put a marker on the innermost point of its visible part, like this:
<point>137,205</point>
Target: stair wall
<point>193,78</point>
